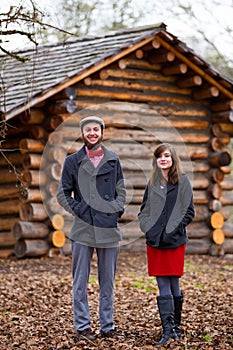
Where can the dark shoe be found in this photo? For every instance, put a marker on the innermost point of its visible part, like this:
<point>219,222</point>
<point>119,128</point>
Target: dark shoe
<point>166,311</point>
<point>112,334</point>
<point>87,334</point>
<point>178,304</point>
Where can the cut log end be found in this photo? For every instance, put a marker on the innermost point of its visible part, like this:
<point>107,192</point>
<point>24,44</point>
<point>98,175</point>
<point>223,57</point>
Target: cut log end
<point>217,220</point>
<point>58,238</point>
<point>220,159</point>
<point>218,236</point>
<point>58,221</point>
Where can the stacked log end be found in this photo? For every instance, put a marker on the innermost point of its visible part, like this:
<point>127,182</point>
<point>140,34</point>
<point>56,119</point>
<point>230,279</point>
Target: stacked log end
<point>10,179</point>
<point>220,190</point>
<point>31,230</point>
<point>53,158</point>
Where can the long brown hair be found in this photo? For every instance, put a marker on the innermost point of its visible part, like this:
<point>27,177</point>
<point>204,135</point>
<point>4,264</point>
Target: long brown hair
<point>175,171</point>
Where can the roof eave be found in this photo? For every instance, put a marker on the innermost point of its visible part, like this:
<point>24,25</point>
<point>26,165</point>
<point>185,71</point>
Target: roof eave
<point>94,67</point>
<point>161,34</point>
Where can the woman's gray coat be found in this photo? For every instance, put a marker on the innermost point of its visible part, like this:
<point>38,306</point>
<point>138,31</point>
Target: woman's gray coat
<point>165,213</point>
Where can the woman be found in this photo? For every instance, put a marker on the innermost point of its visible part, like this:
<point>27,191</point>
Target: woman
<point>166,210</point>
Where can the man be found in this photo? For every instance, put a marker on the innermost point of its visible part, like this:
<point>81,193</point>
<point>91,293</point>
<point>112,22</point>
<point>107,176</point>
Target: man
<point>92,189</point>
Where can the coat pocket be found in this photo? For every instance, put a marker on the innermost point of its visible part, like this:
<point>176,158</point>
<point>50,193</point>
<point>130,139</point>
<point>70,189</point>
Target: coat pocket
<point>153,236</point>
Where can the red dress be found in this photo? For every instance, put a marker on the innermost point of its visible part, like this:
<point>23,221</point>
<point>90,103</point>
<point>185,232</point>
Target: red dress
<point>165,262</point>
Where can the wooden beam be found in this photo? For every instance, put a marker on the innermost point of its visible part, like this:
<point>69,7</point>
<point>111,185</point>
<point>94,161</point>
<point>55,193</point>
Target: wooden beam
<point>163,58</point>
<point>133,74</point>
<point>222,117</point>
<point>222,106</point>
<point>210,92</point>
<point>138,64</point>
<point>218,159</point>
<point>133,96</point>
<point>227,128</point>
<point>30,145</point>
<point>34,116</point>
<point>186,82</point>
<point>135,86</point>
<point>181,68</point>
<point>25,229</point>
<point>193,66</point>
<point>31,247</point>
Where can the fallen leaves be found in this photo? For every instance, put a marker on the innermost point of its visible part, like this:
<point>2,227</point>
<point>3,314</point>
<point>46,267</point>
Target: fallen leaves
<point>36,305</point>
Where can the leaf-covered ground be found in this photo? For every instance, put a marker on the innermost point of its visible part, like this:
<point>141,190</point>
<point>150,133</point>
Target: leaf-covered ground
<point>36,305</point>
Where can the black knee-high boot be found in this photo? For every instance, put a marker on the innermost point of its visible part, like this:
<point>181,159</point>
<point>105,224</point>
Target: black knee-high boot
<point>166,311</point>
<point>178,304</point>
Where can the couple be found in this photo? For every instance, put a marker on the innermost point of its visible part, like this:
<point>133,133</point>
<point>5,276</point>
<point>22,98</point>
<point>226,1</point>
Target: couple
<point>92,190</point>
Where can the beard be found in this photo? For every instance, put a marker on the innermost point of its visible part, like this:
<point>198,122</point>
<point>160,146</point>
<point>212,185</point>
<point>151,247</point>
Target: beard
<point>91,145</point>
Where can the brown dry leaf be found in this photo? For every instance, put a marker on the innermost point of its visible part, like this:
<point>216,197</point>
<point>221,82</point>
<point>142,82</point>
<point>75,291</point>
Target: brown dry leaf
<point>36,305</point>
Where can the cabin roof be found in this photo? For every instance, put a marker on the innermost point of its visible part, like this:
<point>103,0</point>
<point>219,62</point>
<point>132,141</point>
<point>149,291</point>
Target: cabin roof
<point>52,68</point>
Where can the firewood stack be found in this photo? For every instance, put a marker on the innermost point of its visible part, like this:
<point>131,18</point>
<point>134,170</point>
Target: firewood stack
<point>10,178</point>
<point>31,230</point>
<point>220,190</point>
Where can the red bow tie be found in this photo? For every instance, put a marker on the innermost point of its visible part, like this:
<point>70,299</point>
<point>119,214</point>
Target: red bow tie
<point>97,153</point>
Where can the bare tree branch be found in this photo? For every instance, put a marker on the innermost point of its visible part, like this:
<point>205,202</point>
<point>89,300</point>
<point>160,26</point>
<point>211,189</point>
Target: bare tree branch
<point>14,55</point>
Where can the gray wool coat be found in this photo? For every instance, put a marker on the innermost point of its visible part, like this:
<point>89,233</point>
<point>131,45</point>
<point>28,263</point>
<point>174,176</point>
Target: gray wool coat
<point>94,196</point>
<point>166,212</point>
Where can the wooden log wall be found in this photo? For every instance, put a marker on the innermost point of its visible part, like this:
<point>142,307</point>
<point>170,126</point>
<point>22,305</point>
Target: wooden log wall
<point>220,190</point>
<point>143,102</point>
<point>10,179</point>
<point>25,226</point>
<point>145,98</point>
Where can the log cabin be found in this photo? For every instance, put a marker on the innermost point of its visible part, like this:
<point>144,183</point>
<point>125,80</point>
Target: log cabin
<point>149,87</point>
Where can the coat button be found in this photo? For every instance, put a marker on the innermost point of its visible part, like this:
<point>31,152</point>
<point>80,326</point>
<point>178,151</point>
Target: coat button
<point>106,196</point>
